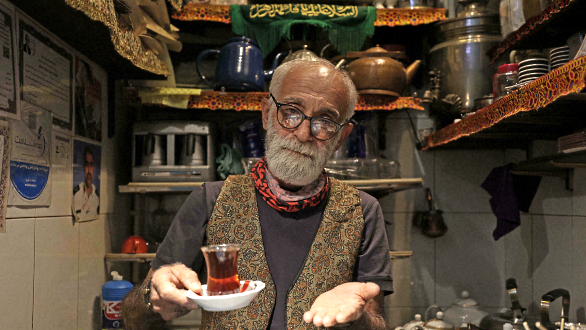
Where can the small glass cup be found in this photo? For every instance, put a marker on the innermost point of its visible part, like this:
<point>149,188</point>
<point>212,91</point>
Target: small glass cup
<point>222,265</point>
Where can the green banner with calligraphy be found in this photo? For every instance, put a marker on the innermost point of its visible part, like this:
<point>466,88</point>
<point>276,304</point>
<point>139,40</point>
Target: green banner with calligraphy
<point>348,26</point>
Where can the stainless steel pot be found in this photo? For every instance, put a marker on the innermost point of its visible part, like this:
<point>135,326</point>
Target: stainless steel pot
<point>459,66</point>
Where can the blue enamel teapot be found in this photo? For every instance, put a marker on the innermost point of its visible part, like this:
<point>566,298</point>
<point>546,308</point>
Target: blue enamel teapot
<point>239,67</point>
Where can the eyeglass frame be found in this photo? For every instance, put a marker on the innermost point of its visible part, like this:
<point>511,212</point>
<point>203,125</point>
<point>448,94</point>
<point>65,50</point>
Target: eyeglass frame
<point>304,116</point>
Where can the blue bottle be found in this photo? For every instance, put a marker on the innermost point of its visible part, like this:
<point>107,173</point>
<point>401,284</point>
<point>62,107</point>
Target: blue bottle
<point>112,294</point>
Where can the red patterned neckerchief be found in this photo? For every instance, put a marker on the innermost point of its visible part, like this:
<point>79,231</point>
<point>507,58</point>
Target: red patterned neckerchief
<point>259,174</point>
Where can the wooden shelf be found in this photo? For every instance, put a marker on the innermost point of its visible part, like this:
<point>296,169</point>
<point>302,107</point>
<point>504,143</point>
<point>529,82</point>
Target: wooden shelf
<point>554,165</point>
<point>401,254</point>
<point>134,257</point>
<point>545,109</point>
<point>249,101</point>
<point>376,186</point>
<point>548,29</point>
<point>100,36</point>
<point>384,17</point>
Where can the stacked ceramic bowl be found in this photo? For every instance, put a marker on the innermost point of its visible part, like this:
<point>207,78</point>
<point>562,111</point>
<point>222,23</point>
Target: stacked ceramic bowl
<point>559,56</point>
<point>532,69</point>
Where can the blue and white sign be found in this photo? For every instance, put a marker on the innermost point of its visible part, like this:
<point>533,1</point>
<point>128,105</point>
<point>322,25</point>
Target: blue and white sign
<point>30,164</point>
<point>29,180</point>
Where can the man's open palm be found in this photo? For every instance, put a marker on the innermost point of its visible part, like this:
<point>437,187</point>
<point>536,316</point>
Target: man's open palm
<point>344,303</point>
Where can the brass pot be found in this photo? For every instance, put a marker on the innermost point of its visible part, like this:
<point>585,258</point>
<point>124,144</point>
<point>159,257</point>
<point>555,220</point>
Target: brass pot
<point>376,72</point>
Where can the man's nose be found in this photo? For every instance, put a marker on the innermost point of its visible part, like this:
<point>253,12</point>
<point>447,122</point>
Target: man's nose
<point>303,132</point>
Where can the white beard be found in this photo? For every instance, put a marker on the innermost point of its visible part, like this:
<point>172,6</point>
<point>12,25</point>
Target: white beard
<point>298,168</point>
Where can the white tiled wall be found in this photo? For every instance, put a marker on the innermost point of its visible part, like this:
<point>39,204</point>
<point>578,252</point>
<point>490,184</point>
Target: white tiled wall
<point>56,273</point>
<point>17,266</point>
<point>547,251</point>
<point>51,268</point>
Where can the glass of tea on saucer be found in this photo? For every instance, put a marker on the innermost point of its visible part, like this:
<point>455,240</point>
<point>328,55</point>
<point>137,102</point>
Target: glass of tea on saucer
<point>222,265</point>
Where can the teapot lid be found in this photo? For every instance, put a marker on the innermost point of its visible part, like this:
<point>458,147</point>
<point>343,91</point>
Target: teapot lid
<point>242,39</point>
<point>438,323</point>
<point>303,54</point>
<point>376,51</point>
<point>466,301</point>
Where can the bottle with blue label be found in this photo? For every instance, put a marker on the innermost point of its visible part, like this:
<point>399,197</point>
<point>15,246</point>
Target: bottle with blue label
<point>112,294</point>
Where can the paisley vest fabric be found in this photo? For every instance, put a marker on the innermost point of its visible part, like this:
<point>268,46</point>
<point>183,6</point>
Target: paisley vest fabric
<point>330,261</point>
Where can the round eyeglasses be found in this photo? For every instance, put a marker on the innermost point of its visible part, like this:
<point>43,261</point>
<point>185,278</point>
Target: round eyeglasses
<point>290,117</point>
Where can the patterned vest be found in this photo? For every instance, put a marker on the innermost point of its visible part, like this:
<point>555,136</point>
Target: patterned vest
<point>330,261</point>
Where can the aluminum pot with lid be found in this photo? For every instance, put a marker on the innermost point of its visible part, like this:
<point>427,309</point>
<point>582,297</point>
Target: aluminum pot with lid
<point>460,71</point>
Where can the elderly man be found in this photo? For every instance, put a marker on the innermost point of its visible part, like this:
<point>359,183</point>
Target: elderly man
<point>318,244</point>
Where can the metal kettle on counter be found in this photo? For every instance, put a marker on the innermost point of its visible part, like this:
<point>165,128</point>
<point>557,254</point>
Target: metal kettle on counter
<point>239,67</point>
<point>515,315</point>
<point>546,300</point>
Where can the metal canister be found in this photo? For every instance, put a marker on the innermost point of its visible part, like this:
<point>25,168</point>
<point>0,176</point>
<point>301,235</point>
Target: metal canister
<point>459,58</point>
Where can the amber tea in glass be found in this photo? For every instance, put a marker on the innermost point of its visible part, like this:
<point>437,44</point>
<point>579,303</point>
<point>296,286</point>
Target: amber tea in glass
<point>222,264</point>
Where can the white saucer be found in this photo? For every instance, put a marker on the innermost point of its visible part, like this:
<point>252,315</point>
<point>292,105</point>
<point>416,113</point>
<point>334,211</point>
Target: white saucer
<point>227,302</point>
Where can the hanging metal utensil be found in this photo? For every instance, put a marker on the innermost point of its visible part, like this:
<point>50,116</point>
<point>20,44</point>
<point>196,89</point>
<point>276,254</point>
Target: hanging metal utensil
<point>432,221</point>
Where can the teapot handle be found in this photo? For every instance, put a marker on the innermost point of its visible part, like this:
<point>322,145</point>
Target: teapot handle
<point>516,306</point>
<point>428,309</point>
<point>546,300</point>
<point>200,57</point>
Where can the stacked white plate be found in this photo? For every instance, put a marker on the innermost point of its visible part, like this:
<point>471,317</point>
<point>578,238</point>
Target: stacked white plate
<point>572,143</point>
<point>559,56</point>
<point>532,69</point>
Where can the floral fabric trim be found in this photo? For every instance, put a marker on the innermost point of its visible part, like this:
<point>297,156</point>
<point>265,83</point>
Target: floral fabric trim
<point>569,78</point>
<point>125,41</point>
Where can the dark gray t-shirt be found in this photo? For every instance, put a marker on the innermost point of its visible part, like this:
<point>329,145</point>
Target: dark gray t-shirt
<point>287,239</point>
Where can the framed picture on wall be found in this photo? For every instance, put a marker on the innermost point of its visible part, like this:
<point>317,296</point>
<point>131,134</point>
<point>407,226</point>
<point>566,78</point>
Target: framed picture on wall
<point>86,180</point>
<point>90,84</point>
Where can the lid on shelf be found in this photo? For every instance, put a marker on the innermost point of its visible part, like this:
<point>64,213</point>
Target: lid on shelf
<point>511,67</point>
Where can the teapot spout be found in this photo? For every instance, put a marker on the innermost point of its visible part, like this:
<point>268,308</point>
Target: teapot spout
<point>269,73</point>
<point>411,70</point>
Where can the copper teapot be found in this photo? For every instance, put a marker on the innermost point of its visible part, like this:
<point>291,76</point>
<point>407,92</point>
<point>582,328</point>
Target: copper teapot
<point>376,72</point>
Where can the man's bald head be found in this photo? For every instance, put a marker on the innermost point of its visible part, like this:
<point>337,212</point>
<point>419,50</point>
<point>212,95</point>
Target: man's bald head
<point>330,72</point>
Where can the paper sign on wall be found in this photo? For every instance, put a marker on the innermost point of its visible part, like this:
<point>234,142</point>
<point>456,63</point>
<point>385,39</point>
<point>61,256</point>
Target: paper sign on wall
<point>30,164</point>
<point>45,74</point>
<point>8,106</point>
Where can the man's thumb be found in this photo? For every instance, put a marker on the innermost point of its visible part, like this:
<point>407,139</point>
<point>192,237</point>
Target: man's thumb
<point>370,290</point>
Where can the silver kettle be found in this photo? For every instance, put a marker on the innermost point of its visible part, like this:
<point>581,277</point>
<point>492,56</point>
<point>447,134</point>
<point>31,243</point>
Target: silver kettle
<point>192,150</point>
<point>515,316</point>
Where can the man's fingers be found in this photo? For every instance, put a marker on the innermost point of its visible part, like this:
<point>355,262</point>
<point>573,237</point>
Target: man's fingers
<point>187,277</point>
<point>308,316</point>
<point>175,296</point>
<point>167,309</point>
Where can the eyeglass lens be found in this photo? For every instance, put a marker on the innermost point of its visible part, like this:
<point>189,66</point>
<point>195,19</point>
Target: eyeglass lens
<point>322,128</point>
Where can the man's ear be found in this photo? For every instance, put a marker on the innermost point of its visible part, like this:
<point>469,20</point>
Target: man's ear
<point>346,130</point>
<point>266,106</point>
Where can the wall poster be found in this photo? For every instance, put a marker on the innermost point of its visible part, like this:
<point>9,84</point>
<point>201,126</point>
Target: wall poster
<point>87,158</point>
<point>89,107</point>
<point>4,172</point>
<point>46,71</point>
<point>8,97</point>
<point>30,163</point>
